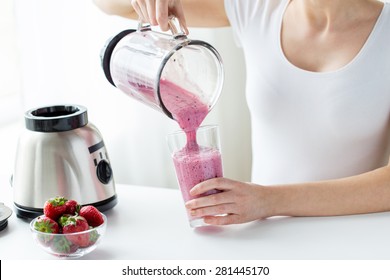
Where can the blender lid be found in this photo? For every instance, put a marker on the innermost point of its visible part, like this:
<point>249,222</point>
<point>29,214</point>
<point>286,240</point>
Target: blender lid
<point>5,213</point>
<point>56,118</point>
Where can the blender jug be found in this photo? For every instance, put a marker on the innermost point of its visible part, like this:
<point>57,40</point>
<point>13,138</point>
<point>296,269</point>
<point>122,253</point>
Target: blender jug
<point>161,69</point>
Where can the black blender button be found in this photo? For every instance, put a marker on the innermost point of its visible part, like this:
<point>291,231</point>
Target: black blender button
<point>104,171</point>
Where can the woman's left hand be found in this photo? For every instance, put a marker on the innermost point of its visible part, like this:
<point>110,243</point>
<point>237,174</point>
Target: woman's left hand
<point>237,202</point>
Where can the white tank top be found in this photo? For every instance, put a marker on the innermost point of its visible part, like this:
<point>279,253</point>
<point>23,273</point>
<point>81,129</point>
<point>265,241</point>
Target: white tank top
<point>309,126</point>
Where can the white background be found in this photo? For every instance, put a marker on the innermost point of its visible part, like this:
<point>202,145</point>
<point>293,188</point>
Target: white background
<point>49,51</point>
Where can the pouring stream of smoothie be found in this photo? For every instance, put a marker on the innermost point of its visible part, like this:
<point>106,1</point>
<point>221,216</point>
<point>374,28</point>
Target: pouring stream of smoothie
<point>194,163</point>
<point>186,108</point>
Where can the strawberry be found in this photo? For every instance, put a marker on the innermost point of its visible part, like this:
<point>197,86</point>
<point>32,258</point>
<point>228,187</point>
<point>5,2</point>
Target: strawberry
<point>62,245</point>
<point>93,237</point>
<point>92,215</point>
<point>62,220</point>
<point>54,207</point>
<point>72,207</point>
<point>46,225</point>
<point>77,224</point>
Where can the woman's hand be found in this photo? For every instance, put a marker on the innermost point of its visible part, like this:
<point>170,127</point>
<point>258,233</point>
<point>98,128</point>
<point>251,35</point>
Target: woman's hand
<point>156,12</point>
<point>198,13</point>
<point>237,203</point>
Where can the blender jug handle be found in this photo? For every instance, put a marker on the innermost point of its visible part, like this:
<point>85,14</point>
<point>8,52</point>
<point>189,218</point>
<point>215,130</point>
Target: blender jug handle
<point>173,24</point>
<point>143,26</point>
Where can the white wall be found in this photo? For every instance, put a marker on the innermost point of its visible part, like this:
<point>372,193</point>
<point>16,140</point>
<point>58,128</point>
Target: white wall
<point>60,42</point>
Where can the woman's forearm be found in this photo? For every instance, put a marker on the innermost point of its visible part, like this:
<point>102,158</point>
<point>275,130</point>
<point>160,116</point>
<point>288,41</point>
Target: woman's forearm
<point>364,193</point>
<point>244,202</point>
<point>198,13</point>
<point>121,8</point>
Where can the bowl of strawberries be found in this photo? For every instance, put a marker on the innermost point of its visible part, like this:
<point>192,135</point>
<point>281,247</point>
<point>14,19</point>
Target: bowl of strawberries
<point>67,229</point>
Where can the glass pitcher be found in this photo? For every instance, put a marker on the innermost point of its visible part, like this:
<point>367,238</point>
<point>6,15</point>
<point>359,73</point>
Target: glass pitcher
<point>158,69</point>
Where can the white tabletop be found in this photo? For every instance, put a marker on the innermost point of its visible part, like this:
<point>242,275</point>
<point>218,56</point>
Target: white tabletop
<point>151,223</point>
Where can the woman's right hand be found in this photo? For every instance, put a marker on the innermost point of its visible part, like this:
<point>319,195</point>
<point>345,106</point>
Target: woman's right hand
<point>198,13</point>
<point>157,12</point>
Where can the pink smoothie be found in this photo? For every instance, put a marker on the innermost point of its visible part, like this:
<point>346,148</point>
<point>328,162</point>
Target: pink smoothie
<point>186,108</point>
<point>195,166</point>
<point>193,163</point>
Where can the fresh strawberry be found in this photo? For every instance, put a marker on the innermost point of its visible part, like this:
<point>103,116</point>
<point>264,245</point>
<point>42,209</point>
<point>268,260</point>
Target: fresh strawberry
<point>46,225</point>
<point>92,215</point>
<point>54,207</point>
<point>93,237</point>
<point>77,224</point>
<point>62,245</point>
<point>72,207</point>
<point>63,219</point>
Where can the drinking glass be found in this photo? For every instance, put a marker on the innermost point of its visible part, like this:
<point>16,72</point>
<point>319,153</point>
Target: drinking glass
<point>196,157</point>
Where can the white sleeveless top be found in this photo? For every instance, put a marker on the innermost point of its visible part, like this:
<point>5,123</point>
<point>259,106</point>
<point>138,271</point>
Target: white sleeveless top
<point>309,126</point>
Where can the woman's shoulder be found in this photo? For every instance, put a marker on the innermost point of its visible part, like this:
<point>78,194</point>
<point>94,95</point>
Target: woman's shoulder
<point>386,11</point>
<point>383,22</point>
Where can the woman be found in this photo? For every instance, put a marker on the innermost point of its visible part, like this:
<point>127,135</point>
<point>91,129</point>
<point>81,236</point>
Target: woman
<point>319,98</point>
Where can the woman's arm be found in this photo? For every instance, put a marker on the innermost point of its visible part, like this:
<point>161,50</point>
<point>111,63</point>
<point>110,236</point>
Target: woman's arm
<point>195,13</point>
<point>121,8</point>
<point>364,193</point>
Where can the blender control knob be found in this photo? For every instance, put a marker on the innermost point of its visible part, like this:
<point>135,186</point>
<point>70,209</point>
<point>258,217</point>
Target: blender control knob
<point>104,172</point>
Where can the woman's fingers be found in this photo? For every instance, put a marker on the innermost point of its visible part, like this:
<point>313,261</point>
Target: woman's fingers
<point>146,10</point>
<point>162,13</point>
<point>237,203</point>
<point>179,14</point>
<point>138,10</point>
<point>209,200</point>
<point>216,204</point>
<point>221,209</point>
<point>151,10</point>
<point>212,184</point>
<point>222,220</point>
<point>157,12</point>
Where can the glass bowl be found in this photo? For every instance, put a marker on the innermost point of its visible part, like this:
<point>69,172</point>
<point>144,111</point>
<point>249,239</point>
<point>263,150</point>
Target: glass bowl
<point>66,245</point>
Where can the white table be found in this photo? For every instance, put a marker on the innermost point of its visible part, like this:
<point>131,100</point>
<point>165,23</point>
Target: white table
<point>150,223</point>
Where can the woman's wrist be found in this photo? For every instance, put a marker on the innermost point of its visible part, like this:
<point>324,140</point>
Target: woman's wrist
<point>275,201</point>
<point>268,201</point>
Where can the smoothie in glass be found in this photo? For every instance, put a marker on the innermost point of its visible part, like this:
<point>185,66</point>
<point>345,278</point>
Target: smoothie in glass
<point>196,161</point>
<point>195,150</point>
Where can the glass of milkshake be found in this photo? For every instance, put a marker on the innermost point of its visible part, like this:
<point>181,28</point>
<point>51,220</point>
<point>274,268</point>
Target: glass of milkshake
<point>196,157</point>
